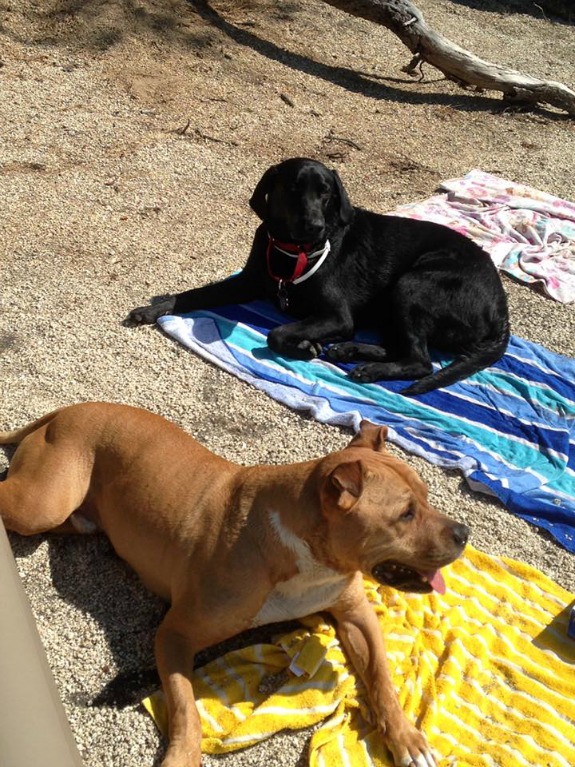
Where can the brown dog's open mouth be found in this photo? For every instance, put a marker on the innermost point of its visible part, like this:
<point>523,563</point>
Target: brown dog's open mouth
<point>407,579</point>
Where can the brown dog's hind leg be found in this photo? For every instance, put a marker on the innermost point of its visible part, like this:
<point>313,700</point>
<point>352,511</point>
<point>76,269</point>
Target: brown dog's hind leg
<point>47,481</point>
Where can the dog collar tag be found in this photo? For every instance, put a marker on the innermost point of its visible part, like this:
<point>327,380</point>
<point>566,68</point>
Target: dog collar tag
<point>300,272</point>
<point>283,295</point>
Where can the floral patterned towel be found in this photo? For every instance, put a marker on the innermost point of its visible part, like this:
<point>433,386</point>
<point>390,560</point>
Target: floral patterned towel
<point>528,233</point>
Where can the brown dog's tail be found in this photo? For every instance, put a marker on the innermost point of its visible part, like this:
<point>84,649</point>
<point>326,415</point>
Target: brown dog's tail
<point>16,436</point>
<point>481,356</point>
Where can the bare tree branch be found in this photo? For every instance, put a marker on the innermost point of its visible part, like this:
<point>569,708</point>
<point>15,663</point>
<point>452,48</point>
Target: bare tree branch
<point>406,21</point>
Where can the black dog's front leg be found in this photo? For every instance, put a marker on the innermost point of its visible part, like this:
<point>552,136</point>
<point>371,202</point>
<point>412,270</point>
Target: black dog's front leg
<point>411,362</point>
<point>303,340</point>
<point>236,290</point>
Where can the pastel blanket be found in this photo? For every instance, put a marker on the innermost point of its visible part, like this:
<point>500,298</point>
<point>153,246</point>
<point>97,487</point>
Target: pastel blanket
<point>510,429</point>
<point>485,670</point>
<point>528,233</point>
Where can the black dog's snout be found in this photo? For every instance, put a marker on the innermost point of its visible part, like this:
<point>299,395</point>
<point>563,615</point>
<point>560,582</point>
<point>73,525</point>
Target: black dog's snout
<point>460,534</point>
<point>314,230</point>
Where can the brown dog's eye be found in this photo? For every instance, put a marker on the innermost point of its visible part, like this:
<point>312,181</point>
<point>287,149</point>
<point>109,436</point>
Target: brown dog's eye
<point>408,515</point>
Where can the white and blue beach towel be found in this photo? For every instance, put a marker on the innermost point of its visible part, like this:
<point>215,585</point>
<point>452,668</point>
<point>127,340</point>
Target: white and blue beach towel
<point>510,428</point>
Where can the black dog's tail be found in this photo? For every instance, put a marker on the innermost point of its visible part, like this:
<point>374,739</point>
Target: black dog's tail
<point>480,356</point>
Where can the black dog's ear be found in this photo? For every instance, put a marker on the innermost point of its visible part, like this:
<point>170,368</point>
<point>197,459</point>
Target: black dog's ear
<point>258,201</point>
<point>345,206</point>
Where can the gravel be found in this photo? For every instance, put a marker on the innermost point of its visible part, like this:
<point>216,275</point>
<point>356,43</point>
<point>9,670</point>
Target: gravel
<point>134,134</point>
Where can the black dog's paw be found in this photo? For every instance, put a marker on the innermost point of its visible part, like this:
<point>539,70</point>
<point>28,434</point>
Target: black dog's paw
<point>344,352</point>
<point>280,342</point>
<point>367,373</point>
<point>146,315</point>
<point>306,350</point>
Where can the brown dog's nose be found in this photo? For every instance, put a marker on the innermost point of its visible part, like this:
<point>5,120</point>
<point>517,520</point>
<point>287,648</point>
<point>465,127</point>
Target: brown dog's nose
<point>460,534</point>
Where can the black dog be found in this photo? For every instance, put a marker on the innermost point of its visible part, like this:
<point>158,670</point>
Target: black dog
<point>337,268</point>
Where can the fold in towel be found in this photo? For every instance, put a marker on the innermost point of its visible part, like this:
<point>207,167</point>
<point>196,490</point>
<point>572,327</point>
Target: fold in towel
<point>528,233</point>
<point>485,670</point>
<point>510,428</point>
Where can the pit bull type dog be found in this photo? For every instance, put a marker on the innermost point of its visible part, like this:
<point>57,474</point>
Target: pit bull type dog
<point>233,547</point>
<point>337,268</point>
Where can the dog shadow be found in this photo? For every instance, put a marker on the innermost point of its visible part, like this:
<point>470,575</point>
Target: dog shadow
<point>554,637</point>
<point>87,574</point>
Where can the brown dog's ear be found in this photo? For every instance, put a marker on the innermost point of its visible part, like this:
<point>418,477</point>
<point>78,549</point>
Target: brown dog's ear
<point>258,201</point>
<point>346,481</point>
<point>370,435</point>
<point>345,206</point>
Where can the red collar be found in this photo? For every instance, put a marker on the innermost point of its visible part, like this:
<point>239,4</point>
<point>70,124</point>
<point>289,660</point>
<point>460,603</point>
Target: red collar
<point>302,255</point>
<point>299,252</point>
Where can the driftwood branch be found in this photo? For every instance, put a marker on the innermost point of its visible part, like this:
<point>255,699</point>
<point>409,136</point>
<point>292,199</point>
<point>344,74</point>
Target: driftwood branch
<point>457,64</point>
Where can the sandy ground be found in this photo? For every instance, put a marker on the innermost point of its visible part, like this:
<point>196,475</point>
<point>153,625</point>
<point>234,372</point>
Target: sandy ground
<point>133,134</point>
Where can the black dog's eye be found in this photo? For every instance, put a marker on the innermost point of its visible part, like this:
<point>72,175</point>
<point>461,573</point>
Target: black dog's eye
<point>408,515</point>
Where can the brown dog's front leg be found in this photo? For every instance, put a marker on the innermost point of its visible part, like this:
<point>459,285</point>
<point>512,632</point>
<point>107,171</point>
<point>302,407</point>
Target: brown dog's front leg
<point>361,637</point>
<point>175,659</point>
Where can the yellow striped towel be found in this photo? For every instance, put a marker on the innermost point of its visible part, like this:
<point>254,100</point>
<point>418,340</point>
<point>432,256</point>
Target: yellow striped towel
<point>486,671</point>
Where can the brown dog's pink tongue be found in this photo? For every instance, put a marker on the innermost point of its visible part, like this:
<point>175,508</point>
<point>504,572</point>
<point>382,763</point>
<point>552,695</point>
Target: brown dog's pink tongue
<point>436,582</point>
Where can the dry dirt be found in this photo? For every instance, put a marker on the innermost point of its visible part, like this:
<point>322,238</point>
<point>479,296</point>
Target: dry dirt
<point>133,134</point>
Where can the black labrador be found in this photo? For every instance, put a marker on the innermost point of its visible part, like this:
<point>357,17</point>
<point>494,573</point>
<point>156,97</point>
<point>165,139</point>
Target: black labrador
<point>337,267</point>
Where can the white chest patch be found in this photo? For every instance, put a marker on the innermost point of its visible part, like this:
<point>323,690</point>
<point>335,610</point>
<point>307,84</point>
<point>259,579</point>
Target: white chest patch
<point>315,586</point>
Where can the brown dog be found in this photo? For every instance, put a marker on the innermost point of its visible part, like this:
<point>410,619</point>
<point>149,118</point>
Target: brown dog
<point>234,547</point>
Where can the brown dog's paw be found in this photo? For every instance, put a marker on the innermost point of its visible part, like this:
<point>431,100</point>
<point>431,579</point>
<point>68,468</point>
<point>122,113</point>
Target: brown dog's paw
<point>410,748</point>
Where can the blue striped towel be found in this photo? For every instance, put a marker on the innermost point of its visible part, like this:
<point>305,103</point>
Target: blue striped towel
<point>510,429</point>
